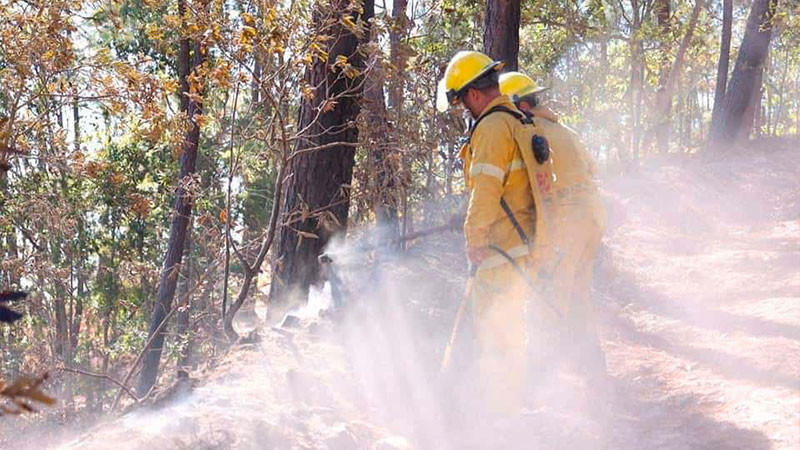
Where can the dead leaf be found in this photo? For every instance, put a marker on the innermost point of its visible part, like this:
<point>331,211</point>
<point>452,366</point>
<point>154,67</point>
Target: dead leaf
<point>328,105</point>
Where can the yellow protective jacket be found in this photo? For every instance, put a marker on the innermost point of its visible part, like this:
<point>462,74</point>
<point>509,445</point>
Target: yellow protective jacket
<point>577,221</point>
<point>493,169</point>
<point>573,166</point>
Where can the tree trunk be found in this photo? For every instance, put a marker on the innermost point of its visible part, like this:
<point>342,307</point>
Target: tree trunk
<point>184,315</point>
<point>180,217</point>
<point>77,316</point>
<point>636,86</point>
<point>782,93</point>
<point>668,79</point>
<point>255,85</point>
<point>604,60</point>
<point>797,106</point>
<point>386,164</point>
<point>394,166</point>
<point>318,192</point>
<point>62,327</point>
<point>769,91</point>
<point>663,104</point>
<point>397,55</point>
<point>501,31</point>
<point>379,145</point>
<point>738,107</point>
<point>724,60</point>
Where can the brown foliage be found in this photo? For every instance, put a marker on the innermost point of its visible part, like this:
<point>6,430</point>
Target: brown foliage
<point>19,395</point>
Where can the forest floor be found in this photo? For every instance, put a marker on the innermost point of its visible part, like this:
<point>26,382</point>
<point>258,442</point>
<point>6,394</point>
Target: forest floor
<point>701,288</point>
<point>699,291</point>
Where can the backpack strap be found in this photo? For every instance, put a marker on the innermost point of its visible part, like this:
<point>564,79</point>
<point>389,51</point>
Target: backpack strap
<point>525,118</point>
<point>515,223</point>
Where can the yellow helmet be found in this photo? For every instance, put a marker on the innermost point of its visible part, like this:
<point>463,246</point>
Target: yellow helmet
<point>463,69</point>
<point>517,84</point>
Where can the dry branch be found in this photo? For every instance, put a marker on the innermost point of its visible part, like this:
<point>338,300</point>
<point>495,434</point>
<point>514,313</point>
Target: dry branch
<point>102,376</point>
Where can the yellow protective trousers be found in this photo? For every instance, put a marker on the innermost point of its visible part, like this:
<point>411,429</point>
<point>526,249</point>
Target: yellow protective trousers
<point>580,221</point>
<point>498,299</point>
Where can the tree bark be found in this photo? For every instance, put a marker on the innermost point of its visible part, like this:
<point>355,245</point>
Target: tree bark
<point>738,107</point>
<point>501,32</point>
<point>380,145</point>
<point>318,191</point>
<point>724,60</point>
<point>397,55</point>
<point>385,163</point>
<point>636,81</point>
<point>184,315</point>
<point>663,105</point>
<point>403,168</point>
<point>664,96</point>
<point>180,217</point>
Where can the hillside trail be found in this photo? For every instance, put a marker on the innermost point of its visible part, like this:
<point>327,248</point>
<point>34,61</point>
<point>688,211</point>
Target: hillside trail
<point>701,287</point>
<point>699,291</point>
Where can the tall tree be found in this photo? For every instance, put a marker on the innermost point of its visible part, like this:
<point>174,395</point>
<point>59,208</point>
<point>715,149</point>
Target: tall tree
<point>191,55</point>
<point>670,75</point>
<point>386,208</point>
<point>321,168</point>
<point>501,31</point>
<point>738,107</point>
<point>639,11</point>
<point>724,59</point>
<point>381,145</point>
<point>663,104</point>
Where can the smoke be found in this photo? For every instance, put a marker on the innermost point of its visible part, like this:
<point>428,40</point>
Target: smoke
<point>363,375</point>
<point>698,258</point>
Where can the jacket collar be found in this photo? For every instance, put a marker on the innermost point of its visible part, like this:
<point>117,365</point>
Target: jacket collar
<point>501,100</point>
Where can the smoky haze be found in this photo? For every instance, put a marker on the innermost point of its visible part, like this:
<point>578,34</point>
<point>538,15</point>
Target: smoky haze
<point>697,287</point>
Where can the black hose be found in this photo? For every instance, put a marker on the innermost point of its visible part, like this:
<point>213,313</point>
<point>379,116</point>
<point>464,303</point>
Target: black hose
<point>525,277</point>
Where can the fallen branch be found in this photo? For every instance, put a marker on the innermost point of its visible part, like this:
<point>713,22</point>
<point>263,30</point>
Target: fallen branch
<point>128,390</point>
<point>141,355</point>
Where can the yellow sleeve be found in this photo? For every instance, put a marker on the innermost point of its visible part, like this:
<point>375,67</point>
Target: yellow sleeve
<point>492,151</point>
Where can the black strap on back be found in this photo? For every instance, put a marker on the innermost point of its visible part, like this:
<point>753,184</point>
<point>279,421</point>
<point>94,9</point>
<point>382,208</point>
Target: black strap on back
<point>513,219</point>
<point>525,119</point>
<point>522,117</point>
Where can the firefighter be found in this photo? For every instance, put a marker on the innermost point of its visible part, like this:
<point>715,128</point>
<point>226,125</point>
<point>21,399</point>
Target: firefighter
<point>578,222</point>
<point>497,181</point>
<point>524,92</point>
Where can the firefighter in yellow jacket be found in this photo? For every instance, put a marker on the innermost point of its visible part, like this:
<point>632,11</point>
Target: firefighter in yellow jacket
<point>578,221</point>
<point>497,179</point>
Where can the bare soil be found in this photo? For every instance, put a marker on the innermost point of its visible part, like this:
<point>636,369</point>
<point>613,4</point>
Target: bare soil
<point>701,287</point>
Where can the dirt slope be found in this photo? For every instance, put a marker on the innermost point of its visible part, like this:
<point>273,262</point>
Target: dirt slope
<point>702,285</point>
